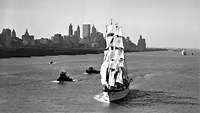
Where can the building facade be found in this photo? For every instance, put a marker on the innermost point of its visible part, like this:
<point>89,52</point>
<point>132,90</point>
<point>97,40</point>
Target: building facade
<point>141,45</point>
<point>86,30</point>
<point>13,33</point>
<point>70,30</point>
<point>57,39</point>
<point>28,40</point>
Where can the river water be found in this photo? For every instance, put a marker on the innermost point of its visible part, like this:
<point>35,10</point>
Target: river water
<point>164,82</point>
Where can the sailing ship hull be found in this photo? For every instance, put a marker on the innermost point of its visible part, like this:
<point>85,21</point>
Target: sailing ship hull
<point>107,97</point>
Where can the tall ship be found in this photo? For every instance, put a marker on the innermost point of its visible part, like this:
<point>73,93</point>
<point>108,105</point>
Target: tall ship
<point>114,76</point>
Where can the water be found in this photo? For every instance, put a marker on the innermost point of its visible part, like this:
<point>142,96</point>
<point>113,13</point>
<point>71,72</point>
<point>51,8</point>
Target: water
<point>164,82</point>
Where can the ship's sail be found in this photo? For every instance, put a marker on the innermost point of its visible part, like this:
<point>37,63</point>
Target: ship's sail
<point>113,69</point>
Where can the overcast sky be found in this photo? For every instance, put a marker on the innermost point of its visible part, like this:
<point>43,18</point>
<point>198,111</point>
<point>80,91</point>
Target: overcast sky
<point>163,23</point>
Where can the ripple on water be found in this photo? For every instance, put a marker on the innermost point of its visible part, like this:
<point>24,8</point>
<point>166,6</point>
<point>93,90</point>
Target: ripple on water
<point>7,76</point>
<point>2,101</point>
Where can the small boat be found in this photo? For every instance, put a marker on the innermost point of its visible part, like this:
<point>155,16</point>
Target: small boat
<point>114,76</point>
<point>91,70</point>
<point>51,62</point>
<point>183,52</point>
<point>63,78</point>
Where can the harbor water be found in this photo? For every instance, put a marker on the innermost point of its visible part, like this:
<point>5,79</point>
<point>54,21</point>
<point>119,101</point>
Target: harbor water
<point>164,82</point>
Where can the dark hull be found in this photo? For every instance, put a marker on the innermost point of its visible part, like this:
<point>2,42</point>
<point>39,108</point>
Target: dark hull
<point>64,79</point>
<point>107,97</point>
<point>92,71</point>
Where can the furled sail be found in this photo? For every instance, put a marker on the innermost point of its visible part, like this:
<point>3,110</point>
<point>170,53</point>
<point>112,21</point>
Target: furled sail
<point>113,68</point>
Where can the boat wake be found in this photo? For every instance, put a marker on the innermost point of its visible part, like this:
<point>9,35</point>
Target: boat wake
<point>85,73</point>
<point>152,98</point>
<point>55,81</point>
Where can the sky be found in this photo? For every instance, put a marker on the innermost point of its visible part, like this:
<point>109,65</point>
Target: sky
<point>163,23</point>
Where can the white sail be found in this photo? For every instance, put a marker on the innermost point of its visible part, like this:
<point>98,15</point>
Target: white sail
<point>113,67</point>
<point>110,29</point>
<point>119,78</point>
<point>109,35</point>
<point>103,73</point>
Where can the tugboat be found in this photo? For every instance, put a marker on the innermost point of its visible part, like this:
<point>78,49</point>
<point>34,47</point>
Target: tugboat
<point>114,76</point>
<point>64,76</point>
<point>91,70</point>
<point>51,62</point>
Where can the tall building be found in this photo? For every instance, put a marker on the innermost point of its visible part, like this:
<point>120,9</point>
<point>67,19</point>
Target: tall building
<point>13,33</point>
<point>28,40</point>
<point>70,30</point>
<point>94,30</point>
<point>93,35</point>
<point>86,30</point>
<point>7,39</point>
<point>26,33</point>
<point>141,45</point>
<point>86,35</point>
<point>78,31</point>
<point>16,42</point>
<point>76,37</point>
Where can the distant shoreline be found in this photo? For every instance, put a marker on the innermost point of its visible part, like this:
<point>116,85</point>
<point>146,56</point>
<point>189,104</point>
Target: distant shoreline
<point>30,52</point>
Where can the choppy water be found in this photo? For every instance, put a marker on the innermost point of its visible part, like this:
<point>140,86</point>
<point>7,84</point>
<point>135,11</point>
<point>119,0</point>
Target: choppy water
<point>164,82</point>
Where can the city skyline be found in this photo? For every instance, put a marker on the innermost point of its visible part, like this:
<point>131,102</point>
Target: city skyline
<point>172,23</point>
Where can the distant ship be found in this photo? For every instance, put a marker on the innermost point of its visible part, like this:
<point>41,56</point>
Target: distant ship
<point>183,52</point>
<point>91,70</point>
<point>114,76</point>
<point>52,62</point>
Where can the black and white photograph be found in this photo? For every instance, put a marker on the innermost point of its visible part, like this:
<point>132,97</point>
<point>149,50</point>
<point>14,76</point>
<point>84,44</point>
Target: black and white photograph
<point>99,56</point>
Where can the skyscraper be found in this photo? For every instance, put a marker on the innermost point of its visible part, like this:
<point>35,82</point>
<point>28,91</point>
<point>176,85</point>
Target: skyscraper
<point>93,35</point>
<point>6,33</point>
<point>86,30</point>
<point>28,40</point>
<point>76,37</point>
<point>141,45</point>
<point>13,33</point>
<point>94,30</point>
<point>70,30</point>
<point>78,31</point>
